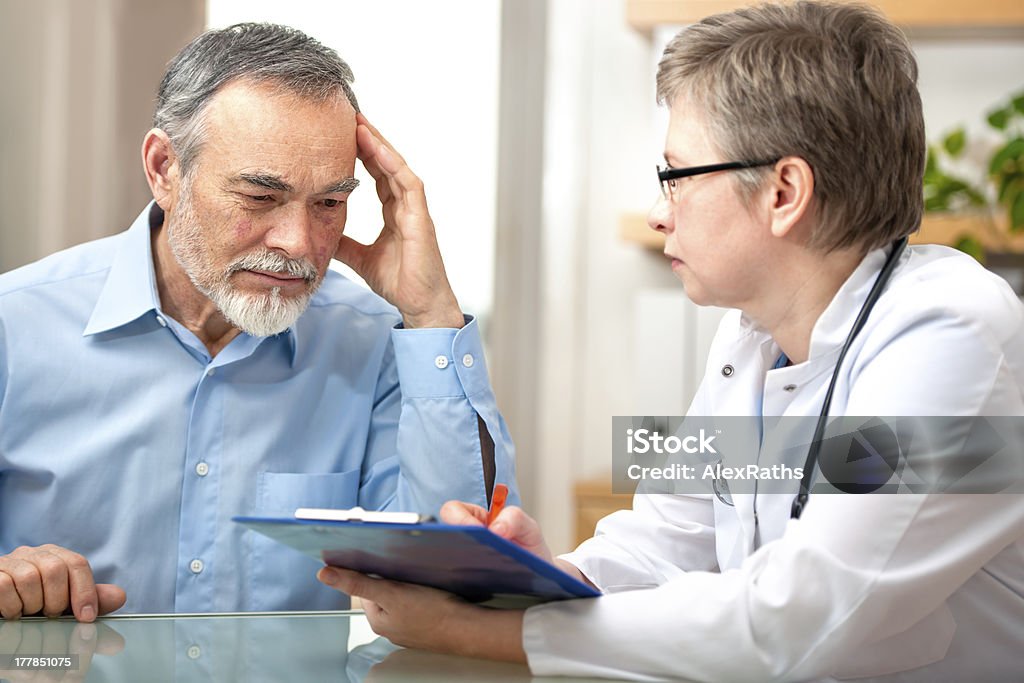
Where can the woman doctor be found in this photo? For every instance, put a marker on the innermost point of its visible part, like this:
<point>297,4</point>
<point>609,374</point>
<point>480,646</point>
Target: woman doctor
<point>794,161</point>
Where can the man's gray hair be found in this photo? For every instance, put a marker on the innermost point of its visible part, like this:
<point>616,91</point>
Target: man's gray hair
<point>259,53</point>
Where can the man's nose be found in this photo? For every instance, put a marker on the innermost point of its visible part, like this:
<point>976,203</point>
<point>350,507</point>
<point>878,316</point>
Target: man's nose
<point>660,216</point>
<point>292,231</point>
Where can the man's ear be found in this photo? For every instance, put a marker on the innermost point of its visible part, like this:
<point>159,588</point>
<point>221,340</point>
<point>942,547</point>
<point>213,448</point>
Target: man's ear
<point>792,188</point>
<point>160,165</point>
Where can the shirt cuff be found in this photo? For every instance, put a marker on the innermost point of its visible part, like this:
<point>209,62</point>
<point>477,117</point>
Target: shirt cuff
<point>440,362</point>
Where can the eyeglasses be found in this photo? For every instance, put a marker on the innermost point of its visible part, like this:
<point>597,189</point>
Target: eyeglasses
<point>667,176</point>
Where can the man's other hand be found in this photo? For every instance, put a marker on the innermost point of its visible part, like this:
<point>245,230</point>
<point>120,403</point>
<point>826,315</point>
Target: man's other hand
<point>50,580</point>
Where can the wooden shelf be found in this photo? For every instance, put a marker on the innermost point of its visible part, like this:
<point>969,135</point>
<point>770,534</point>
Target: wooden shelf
<point>633,228</point>
<point>935,229</point>
<point>644,15</point>
<point>594,500</point>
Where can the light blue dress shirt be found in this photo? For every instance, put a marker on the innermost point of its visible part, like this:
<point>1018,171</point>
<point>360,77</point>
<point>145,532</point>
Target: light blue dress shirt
<point>121,439</point>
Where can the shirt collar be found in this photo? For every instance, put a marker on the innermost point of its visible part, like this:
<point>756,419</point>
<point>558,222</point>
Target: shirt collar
<point>130,291</point>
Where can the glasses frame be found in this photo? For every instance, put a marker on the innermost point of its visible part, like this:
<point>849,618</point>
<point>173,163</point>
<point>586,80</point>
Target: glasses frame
<point>666,175</point>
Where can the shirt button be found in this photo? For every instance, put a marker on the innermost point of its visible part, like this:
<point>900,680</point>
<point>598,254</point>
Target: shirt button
<point>160,319</point>
<point>441,362</point>
<point>728,371</point>
<point>196,566</point>
<point>789,387</point>
<point>202,469</point>
<point>467,360</point>
<point>194,652</point>
<point>211,372</point>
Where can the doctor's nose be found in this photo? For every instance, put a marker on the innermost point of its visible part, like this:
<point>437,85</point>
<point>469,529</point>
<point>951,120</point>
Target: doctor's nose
<point>660,217</point>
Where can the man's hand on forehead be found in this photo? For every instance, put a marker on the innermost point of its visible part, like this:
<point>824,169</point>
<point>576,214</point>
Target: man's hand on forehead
<point>404,264</point>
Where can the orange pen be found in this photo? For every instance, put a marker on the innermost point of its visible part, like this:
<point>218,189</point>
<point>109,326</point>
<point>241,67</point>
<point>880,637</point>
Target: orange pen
<point>497,502</point>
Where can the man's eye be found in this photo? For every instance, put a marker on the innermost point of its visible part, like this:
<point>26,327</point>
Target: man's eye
<point>332,203</point>
<point>261,197</point>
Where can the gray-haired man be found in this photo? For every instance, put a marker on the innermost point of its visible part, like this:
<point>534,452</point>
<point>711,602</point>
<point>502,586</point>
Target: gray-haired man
<point>205,363</point>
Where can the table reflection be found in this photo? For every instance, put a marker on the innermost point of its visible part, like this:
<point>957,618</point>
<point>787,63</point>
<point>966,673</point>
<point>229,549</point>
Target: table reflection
<point>280,646</point>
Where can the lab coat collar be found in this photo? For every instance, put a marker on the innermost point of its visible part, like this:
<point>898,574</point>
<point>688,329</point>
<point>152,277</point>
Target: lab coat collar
<point>130,290</point>
<point>834,324</point>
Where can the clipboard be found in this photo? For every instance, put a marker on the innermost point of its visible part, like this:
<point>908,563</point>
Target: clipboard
<point>469,561</point>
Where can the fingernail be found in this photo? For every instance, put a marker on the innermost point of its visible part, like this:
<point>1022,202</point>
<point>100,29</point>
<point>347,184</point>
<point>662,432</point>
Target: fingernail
<point>329,576</point>
<point>88,613</point>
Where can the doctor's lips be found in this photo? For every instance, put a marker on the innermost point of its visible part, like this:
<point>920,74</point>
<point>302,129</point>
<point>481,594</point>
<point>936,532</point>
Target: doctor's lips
<point>673,259</point>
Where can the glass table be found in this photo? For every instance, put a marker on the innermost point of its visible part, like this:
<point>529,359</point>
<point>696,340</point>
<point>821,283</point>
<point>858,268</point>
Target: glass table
<point>278,646</point>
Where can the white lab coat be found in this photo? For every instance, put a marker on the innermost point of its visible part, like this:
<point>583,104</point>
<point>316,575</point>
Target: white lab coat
<point>861,585</point>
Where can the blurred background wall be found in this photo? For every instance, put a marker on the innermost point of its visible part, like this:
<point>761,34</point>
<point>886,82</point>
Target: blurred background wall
<point>534,127</point>
<point>78,80</point>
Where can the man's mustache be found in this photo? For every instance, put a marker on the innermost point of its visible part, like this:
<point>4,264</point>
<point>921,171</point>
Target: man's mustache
<point>273,262</point>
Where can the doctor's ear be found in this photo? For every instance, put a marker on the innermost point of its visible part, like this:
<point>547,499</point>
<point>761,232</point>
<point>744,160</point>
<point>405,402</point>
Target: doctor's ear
<point>160,164</point>
<point>791,188</point>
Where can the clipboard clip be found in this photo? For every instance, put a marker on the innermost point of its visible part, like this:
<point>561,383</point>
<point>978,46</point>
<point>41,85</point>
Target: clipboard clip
<point>358,514</point>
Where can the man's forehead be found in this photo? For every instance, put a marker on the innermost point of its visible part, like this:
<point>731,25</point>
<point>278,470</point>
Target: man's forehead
<point>265,106</point>
<point>253,128</point>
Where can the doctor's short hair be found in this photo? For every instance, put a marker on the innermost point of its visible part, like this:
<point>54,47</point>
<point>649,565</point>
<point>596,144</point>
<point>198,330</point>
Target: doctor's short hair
<point>255,52</point>
<point>832,83</point>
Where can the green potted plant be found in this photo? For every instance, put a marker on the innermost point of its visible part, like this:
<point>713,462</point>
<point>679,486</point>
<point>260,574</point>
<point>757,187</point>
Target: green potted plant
<point>998,202</point>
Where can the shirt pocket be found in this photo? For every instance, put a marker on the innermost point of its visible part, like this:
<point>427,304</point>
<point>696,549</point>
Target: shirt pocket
<point>281,493</point>
<point>282,577</point>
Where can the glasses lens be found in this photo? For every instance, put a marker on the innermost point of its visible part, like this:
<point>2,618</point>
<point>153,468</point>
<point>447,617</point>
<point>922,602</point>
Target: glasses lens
<point>668,187</point>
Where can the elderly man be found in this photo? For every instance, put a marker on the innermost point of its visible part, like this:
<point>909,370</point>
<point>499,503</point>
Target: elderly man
<point>205,363</point>
<point>795,154</point>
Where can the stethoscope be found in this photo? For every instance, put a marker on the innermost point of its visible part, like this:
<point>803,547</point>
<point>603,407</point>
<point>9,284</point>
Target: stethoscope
<point>819,430</point>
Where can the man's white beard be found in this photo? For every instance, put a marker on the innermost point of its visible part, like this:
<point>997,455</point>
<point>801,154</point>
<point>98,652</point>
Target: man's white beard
<point>260,315</point>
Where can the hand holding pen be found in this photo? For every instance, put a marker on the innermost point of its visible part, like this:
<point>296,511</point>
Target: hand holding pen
<point>511,523</point>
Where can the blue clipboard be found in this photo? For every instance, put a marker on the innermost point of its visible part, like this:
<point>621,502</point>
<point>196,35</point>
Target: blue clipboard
<point>468,561</point>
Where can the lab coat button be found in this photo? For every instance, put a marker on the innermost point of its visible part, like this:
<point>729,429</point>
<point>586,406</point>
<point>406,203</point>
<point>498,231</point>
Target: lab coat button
<point>728,371</point>
<point>441,362</point>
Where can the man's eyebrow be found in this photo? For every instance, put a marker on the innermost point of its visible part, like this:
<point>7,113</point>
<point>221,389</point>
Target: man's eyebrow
<point>267,180</point>
<point>342,186</point>
<point>274,182</point>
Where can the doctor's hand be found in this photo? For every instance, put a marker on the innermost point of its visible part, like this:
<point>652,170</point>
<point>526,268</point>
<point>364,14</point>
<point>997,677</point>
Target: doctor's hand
<point>512,524</point>
<point>430,619</point>
<point>50,580</point>
<point>404,264</point>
